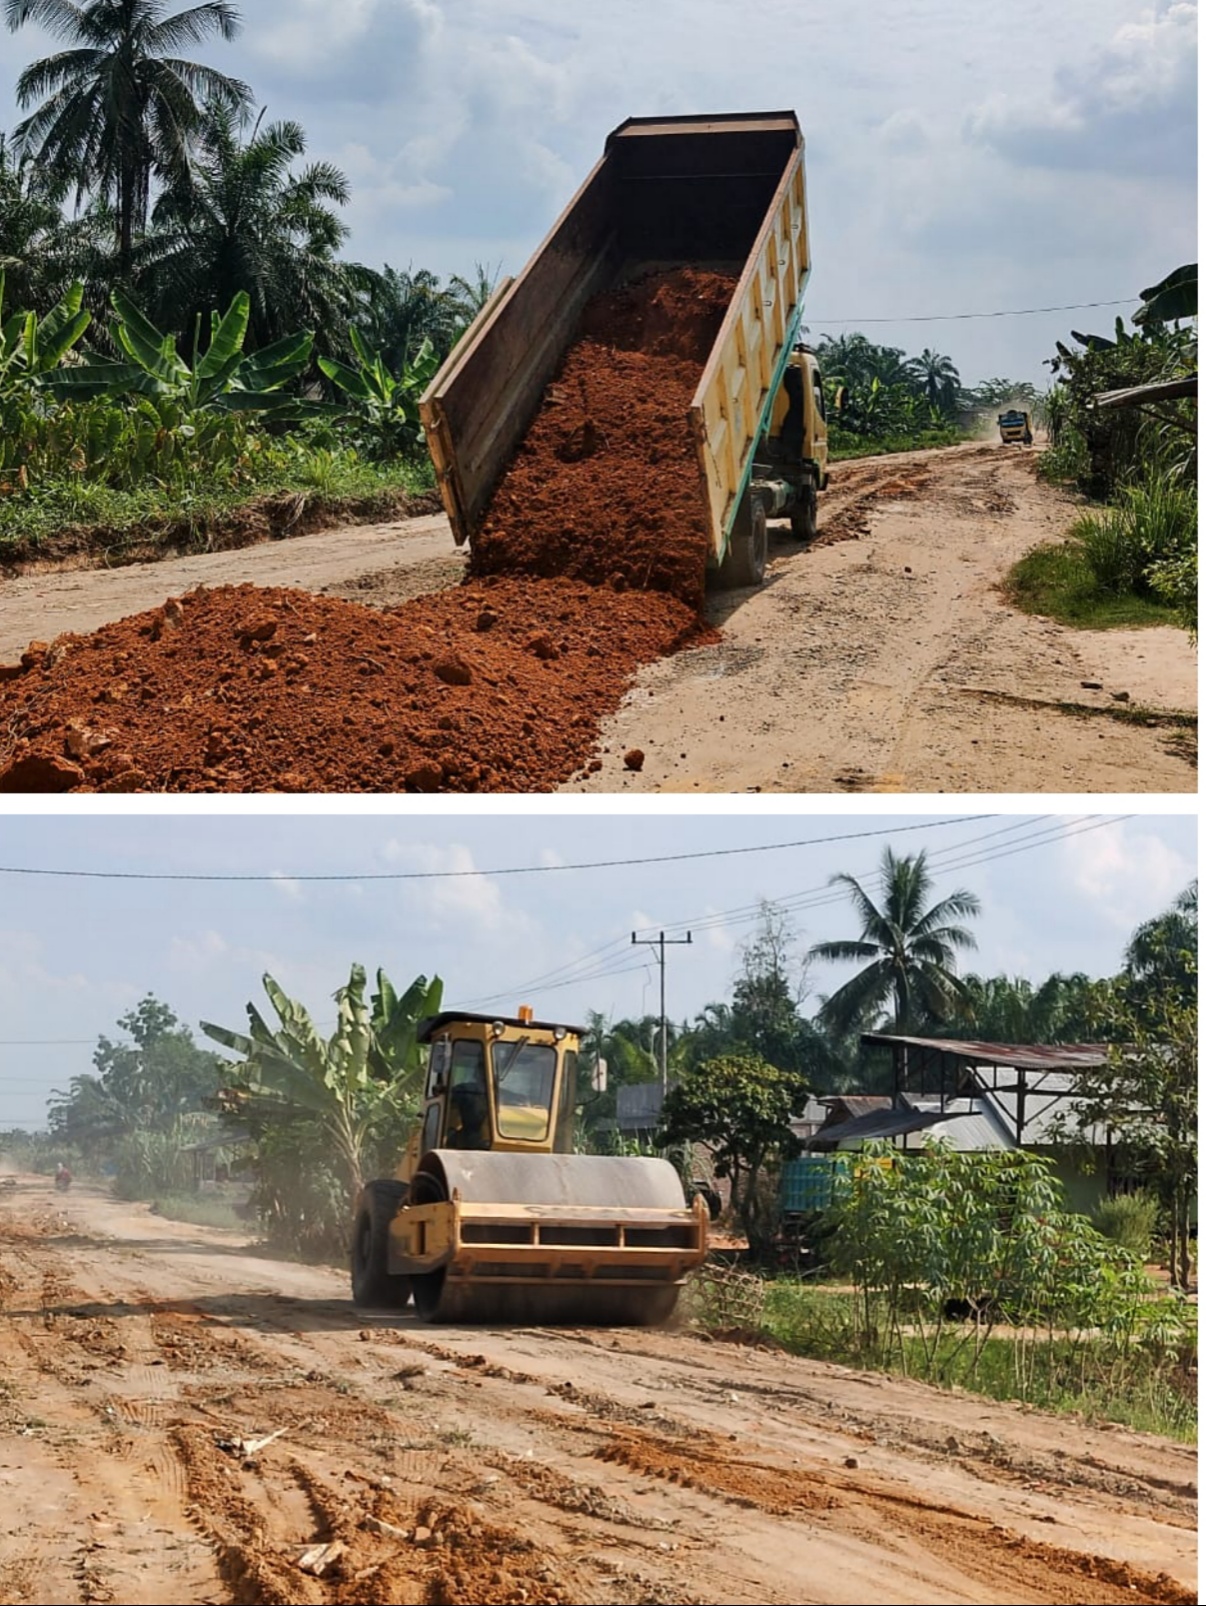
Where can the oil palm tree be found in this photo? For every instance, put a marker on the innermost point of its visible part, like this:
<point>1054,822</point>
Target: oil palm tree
<point>911,950</point>
<point>119,108</point>
<point>243,220</point>
<point>938,378</point>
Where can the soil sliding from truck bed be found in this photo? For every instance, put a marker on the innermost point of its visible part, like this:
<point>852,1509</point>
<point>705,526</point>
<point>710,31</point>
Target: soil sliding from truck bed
<point>605,485</point>
<point>591,563</point>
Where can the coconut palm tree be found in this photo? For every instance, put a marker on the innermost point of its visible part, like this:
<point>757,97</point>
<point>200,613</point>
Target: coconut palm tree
<point>119,108</point>
<point>938,378</point>
<point>911,950</point>
<point>243,220</point>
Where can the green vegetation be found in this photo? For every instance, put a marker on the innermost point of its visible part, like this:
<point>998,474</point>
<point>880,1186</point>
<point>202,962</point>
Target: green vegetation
<point>1149,1386</point>
<point>134,200</point>
<point>201,1209</point>
<point>1055,580</point>
<point>880,400</point>
<point>342,1106</point>
<point>911,949</point>
<point>1129,1220</point>
<point>740,1107</point>
<point>843,447</point>
<point>965,1268</point>
<point>1134,562</point>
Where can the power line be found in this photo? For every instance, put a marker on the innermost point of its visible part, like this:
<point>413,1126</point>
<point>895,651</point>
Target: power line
<point>515,869</point>
<point>573,969</point>
<point>955,317</point>
<point>954,857</point>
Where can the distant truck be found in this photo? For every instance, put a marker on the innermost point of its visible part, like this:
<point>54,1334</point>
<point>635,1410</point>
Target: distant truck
<point>725,194</point>
<point>1015,428</point>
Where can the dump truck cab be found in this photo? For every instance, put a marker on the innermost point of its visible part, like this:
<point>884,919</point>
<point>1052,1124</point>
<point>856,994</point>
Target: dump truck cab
<point>1015,429</point>
<point>491,1216</point>
<point>792,464</point>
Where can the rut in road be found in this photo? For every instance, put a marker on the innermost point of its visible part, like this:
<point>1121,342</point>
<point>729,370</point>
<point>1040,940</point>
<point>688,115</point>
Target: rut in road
<point>146,1372</point>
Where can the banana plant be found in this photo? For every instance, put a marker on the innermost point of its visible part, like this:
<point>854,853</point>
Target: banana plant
<point>351,1082</point>
<point>224,377</point>
<point>387,403</point>
<point>31,346</point>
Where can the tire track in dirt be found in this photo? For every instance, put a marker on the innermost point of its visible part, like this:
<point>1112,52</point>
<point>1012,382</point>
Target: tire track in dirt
<point>1040,1573</point>
<point>519,1465</point>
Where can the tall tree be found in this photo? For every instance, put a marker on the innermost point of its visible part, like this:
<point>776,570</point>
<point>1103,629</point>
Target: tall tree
<point>242,219</point>
<point>911,949</point>
<point>119,108</point>
<point>143,1085</point>
<point>741,1107</point>
<point>1163,953</point>
<point>938,377</point>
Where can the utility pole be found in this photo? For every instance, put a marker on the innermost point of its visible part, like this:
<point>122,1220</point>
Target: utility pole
<point>659,948</point>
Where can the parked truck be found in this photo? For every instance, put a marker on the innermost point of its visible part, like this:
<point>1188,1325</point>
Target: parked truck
<point>725,194</point>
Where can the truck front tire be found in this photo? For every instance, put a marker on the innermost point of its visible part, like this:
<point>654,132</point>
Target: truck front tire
<point>372,1283</point>
<point>745,561</point>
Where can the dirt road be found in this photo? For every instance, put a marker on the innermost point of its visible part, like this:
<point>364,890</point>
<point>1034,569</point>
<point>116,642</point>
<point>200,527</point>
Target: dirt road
<point>882,658</point>
<point>139,1357</point>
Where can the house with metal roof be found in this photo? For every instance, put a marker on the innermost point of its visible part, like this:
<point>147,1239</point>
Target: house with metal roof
<point>982,1096</point>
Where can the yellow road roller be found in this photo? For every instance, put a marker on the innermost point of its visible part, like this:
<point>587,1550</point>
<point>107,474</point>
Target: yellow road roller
<point>492,1218</point>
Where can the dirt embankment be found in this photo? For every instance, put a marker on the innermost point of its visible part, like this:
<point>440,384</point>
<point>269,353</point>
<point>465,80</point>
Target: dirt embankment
<point>183,1420</point>
<point>591,563</point>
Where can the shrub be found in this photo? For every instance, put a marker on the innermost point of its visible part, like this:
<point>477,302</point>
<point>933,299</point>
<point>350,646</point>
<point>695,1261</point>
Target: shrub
<point>1129,1220</point>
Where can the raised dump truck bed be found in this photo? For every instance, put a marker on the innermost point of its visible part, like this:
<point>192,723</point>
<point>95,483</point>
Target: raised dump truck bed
<point>724,194</point>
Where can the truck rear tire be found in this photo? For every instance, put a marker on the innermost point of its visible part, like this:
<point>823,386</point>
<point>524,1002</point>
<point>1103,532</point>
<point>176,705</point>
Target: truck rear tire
<point>745,561</point>
<point>372,1283</point>
<point>804,515</point>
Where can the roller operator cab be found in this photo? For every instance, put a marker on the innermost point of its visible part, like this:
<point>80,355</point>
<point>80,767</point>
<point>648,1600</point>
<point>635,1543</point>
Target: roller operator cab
<point>491,1216</point>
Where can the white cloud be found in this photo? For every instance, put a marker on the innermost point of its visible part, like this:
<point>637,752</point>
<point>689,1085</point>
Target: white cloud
<point>1125,873</point>
<point>287,886</point>
<point>467,901</point>
<point>1124,110</point>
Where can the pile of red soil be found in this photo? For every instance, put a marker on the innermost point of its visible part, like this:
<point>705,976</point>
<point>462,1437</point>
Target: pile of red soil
<point>605,486</point>
<point>497,685</point>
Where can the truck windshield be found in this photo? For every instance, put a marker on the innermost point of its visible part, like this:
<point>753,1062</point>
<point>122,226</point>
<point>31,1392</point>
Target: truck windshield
<point>523,1089</point>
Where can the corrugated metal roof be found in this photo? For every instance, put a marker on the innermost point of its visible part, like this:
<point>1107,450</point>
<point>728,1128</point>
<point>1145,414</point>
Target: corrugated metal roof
<point>1025,1056</point>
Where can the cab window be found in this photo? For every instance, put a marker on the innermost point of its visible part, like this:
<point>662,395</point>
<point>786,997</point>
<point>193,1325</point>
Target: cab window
<point>468,1106</point>
<point>523,1089</point>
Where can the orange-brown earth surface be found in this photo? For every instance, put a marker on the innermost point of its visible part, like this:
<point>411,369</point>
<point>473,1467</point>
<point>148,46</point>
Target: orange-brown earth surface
<point>183,1419</point>
<point>498,685</point>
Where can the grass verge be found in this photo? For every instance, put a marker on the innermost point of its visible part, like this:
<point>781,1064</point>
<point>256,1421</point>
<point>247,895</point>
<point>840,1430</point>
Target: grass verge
<point>78,519</point>
<point>1055,580</point>
<point>199,1210</point>
<point>1148,1390</point>
<point>848,446</point>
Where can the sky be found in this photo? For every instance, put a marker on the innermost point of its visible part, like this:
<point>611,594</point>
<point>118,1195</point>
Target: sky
<point>1058,893</point>
<point>960,158</point>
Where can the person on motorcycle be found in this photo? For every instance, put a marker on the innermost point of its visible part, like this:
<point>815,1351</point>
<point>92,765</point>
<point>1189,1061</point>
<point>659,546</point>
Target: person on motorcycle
<point>62,1177</point>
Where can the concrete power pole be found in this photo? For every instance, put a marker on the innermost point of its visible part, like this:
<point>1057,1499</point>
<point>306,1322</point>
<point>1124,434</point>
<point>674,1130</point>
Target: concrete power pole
<point>659,948</point>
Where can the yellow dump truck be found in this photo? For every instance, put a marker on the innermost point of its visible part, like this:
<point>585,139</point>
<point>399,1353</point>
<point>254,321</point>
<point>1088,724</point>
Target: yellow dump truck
<point>491,1216</point>
<point>723,193</point>
<point>1015,428</point>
